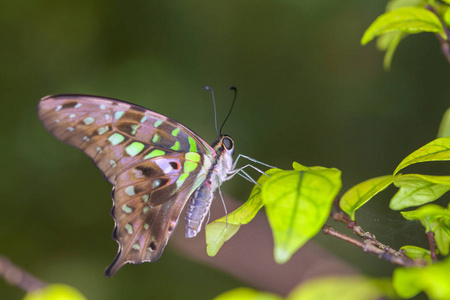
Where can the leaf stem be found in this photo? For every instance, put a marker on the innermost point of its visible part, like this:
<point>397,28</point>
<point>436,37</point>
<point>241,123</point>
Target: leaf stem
<point>445,47</point>
<point>431,242</point>
<point>18,277</point>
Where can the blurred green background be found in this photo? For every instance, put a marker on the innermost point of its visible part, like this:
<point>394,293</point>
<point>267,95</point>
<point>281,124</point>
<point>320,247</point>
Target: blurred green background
<point>307,92</point>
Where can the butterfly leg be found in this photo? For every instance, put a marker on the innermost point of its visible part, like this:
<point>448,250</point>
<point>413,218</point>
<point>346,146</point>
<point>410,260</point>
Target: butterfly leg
<point>247,177</point>
<point>235,171</point>
<point>250,159</point>
<point>224,207</point>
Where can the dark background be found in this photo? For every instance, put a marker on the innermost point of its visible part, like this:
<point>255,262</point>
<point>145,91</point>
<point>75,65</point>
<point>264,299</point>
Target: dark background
<point>308,92</point>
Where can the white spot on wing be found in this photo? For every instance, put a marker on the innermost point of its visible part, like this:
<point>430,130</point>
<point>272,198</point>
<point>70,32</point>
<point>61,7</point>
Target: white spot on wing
<point>130,190</point>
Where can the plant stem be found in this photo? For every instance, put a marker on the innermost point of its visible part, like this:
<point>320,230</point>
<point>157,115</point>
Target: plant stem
<point>395,258</point>
<point>370,243</point>
<point>445,47</point>
<point>431,242</point>
<point>19,277</point>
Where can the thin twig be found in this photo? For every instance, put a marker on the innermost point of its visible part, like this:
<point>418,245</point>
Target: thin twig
<point>431,242</point>
<point>369,238</point>
<point>18,277</point>
<point>368,247</point>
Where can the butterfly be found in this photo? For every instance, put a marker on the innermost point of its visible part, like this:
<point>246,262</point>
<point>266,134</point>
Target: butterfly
<point>155,164</point>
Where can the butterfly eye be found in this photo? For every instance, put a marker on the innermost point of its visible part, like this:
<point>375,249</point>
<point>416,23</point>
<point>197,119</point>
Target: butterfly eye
<point>228,143</point>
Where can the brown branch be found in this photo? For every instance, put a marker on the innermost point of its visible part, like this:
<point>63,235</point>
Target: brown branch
<point>18,277</point>
<point>431,242</point>
<point>445,47</point>
<point>369,238</point>
<point>395,257</point>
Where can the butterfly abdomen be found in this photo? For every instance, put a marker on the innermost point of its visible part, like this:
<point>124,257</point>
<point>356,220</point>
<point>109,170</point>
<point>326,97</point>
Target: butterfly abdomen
<point>198,208</point>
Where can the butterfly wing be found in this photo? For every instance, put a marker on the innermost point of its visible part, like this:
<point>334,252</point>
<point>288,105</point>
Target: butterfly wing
<point>114,133</point>
<point>154,163</point>
<point>149,198</point>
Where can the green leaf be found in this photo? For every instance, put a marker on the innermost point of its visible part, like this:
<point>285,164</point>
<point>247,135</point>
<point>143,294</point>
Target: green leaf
<point>444,128</point>
<point>55,292</point>
<point>217,233</point>
<point>437,150</point>
<point>298,167</point>
<point>384,41</point>
<point>442,237</point>
<point>406,19</point>
<point>247,294</point>
<point>223,229</point>
<point>389,42</point>
<point>417,189</point>
<point>415,252</point>
<point>298,204</point>
<point>338,288</point>
<point>396,4</point>
<point>433,280</point>
<point>446,16</point>
<point>429,215</point>
<point>391,50</point>
<point>358,195</point>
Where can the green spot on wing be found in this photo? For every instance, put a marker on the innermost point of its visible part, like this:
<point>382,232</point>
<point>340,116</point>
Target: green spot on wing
<point>134,148</point>
<point>102,130</point>
<point>145,198</point>
<point>116,138</point>
<point>130,190</point>
<point>189,166</point>
<point>176,146</point>
<point>136,246</point>
<point>88,120</point>
<point>193,145</point>
<point>118,114</point>
<point>129,228</point>
<point>155,153</point>
<point>192,156</point>
<point>127,209</point>
<point>156,138</point>
<point>112,162</point>
<point>157,123</point>
<point>134,128</point>
<point>175,131</point>
<point>181,179</point>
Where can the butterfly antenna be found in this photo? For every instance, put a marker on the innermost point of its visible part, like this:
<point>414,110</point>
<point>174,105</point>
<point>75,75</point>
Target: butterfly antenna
<point>214,106</point>
<point>231,108</point>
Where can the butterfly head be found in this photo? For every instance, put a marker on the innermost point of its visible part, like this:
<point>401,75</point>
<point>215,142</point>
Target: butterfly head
<point>224,145</point>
